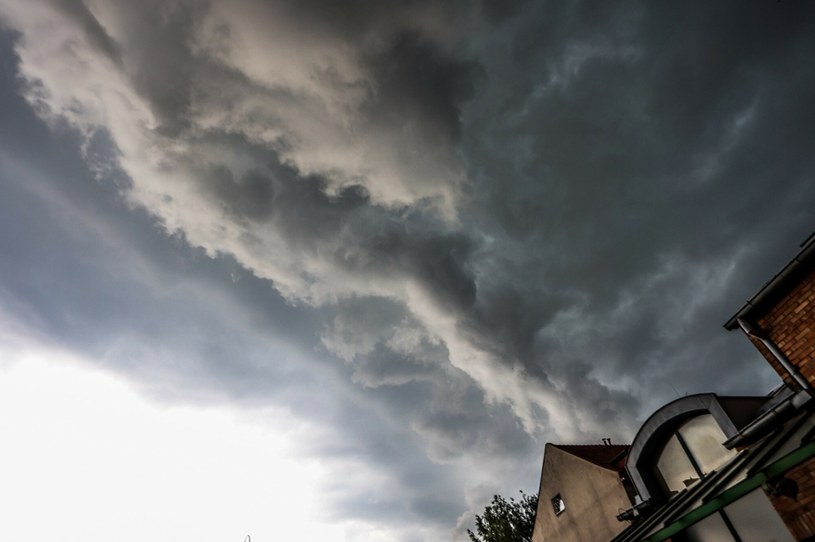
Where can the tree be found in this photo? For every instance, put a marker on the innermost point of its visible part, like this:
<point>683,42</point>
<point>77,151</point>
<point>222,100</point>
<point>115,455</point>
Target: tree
<point>506,520</point>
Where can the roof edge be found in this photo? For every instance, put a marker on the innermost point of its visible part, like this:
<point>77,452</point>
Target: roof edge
<point>621,449</point>
<point>773,285</point>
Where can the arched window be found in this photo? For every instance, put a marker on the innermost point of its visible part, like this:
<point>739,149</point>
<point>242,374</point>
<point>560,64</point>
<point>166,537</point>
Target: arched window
<point>692,452</point>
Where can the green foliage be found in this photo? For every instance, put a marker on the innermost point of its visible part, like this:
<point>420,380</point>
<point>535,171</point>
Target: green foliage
<point>506,520</point>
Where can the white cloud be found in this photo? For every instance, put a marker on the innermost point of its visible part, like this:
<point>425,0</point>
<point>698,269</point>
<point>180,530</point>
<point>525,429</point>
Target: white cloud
<point>85,458</point>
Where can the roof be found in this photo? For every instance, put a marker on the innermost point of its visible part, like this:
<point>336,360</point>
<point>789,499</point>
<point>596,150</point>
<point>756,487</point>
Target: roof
<point>608,456</point>
<point>777,285</point>
<point>789,446</point>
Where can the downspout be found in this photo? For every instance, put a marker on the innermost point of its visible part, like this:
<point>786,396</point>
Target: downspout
<point>757,333</point>
<point>781,412</point>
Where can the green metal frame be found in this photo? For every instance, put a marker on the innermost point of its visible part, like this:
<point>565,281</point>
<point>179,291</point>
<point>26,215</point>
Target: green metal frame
<point>736,492</point>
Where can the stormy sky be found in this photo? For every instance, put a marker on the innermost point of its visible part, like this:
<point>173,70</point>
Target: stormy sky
<point>338,270</point>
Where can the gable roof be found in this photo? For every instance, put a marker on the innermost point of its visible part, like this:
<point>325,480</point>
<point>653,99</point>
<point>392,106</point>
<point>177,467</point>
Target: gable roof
<point>608,456</point>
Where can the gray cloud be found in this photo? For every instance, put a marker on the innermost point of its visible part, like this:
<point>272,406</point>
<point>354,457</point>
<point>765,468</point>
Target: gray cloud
<point>97,35</point>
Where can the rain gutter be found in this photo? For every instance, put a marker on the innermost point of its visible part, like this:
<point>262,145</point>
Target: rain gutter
<point>774,284</point>
<point>782,411</point>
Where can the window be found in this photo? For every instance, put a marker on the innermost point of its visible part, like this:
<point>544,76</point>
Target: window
<point>692,452</point>
<point>558,505</point>
<point>704,438</point>
<point>676,469</point>
<point>750,519</point>
<point>711,529</point>
<point>755,519</point>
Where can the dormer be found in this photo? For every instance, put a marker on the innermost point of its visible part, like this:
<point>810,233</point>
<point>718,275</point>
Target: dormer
<point>683,442</point>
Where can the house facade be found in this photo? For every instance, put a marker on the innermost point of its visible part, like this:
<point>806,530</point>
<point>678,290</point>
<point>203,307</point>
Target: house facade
<point>706,467</point>
<point>584,488</point>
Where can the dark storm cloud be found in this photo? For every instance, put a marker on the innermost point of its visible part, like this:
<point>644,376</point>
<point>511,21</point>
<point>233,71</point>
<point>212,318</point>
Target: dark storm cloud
<point>366,333</point>
<point>674,134</point>
<point>358,17</point>
<point>77,10</point>
<point>375,240</point>
<point>436,260</point>
<point>278,194</point>
<point>164,66</point>
<point>417,81</point>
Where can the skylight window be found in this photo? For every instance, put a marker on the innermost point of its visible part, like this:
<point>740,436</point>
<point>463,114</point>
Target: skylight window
<point>692,452</point>
<point>558,505</point>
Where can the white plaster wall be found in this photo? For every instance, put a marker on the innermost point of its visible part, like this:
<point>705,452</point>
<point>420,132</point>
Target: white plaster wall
<point>593,497</point>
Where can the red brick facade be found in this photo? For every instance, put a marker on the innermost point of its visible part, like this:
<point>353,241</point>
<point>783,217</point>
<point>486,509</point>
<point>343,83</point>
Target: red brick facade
<point>790,324</point>
<point>799,512</point>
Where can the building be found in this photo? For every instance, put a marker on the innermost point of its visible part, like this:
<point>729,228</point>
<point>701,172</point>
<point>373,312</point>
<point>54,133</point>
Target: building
<point>780,321</point>
<point>586,481</point>
<point>706,467</point>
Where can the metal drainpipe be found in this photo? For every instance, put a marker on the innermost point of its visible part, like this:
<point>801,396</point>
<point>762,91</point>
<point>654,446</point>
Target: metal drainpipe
<point>754,331</point>
<point>777,415</point>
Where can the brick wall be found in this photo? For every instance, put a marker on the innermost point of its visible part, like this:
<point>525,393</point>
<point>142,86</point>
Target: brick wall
<point>790,323</point>
<point>799,513</point>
